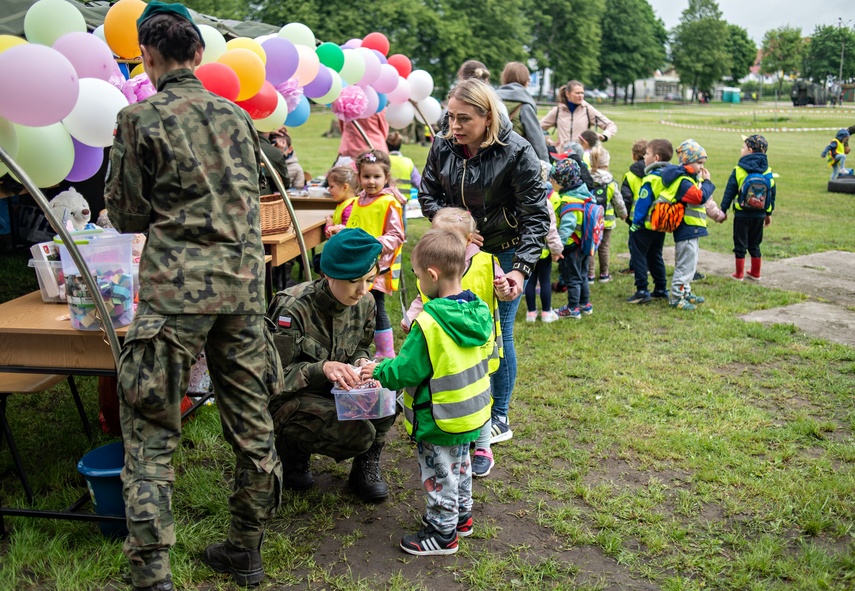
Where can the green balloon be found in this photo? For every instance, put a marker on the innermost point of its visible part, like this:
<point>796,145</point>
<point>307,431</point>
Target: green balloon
<point>354,67</point>
<point>8,141</point>
<point>45,153</point>
<point>331,55</point>
<point>48,20</point>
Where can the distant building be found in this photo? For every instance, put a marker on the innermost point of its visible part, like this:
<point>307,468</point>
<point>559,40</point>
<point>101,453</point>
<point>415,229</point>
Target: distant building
<point>661,87</point>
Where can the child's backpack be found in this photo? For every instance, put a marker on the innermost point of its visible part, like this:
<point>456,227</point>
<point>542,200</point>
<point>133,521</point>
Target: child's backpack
<point>593,224</point>
<point>601,194</point>
<point>514,109</point>
<point>755,191</point>
<point>665,216</point>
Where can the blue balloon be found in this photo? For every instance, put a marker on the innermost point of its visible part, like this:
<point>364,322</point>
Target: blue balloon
<point>382,101</point>
<point>300,114</point>
<point>126,72</point>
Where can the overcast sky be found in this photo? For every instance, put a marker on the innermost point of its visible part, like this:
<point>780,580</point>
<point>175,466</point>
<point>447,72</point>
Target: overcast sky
<point>758,16</point>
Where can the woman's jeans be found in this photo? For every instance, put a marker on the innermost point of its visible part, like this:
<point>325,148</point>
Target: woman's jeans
<point>502,382</point>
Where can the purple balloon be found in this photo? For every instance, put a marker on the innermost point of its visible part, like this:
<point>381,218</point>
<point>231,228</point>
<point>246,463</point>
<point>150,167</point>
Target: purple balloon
<point>387,81</point>
<point>282,59</point>
<point>45,85</point>
<point>381,57</point>
<point>87,162</point>
<point>320,85</point>
<point>89,55</point>
<point>352,44</point>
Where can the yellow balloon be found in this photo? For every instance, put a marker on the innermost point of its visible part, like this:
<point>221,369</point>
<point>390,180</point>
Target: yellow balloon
<point>137,70</point>
<point>250,44</point>
<point>249,69</point>
<point>120,28</point>
<point>7,41</point>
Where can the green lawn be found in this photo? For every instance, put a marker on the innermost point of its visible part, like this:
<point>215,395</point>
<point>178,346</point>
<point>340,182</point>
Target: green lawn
<point>652,449</point>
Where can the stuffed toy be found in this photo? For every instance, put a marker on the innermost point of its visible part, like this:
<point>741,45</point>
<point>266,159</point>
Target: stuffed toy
<point>71,206</point>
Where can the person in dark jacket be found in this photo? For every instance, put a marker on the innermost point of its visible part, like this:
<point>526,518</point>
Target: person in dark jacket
<point>631,185</point>
<point>748,223</point>
<point>522,110</point>
<point>483,166</point>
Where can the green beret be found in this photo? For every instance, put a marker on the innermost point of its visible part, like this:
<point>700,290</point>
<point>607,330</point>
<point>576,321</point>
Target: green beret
<point>350,254</point>
<point>155,7</point>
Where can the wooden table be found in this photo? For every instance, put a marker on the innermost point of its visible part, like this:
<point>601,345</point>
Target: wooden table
<point>303,203</point>
<point>284,247</point>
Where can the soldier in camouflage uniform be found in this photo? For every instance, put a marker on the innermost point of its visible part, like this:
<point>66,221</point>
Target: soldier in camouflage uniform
<point>323,329</point>
<point>184,167</point>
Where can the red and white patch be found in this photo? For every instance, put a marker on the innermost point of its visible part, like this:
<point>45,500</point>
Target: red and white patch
<point>285,321</point>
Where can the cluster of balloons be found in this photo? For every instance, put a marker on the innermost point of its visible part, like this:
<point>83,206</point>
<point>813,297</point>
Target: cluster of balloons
<point>62,111</point>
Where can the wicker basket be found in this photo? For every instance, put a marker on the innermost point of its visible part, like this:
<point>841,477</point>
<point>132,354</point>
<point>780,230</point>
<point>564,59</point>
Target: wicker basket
<point>275,218</point>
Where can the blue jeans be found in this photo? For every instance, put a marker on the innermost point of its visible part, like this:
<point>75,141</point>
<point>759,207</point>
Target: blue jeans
<point>502,382</point>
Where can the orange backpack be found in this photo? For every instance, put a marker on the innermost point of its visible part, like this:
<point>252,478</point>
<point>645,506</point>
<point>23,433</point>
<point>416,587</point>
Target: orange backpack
<point>665,217</point>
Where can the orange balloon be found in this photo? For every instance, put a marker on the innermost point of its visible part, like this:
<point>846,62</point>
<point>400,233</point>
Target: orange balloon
<point>249,68</point>
<point>120,28</point>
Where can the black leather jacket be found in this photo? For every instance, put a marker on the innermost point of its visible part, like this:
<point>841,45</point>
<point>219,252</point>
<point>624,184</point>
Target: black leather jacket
<point>502,188</point>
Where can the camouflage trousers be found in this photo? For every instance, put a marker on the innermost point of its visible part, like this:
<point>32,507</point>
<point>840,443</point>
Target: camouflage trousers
<point>154,370</point>
<point>309,423</point>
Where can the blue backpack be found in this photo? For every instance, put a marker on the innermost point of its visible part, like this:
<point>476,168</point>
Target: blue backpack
<point>755,191</point>
<point>593,223</point>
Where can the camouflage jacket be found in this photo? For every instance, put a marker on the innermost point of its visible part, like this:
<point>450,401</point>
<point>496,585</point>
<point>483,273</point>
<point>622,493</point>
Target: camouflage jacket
<point>312,327</point>
<point>184,167</point>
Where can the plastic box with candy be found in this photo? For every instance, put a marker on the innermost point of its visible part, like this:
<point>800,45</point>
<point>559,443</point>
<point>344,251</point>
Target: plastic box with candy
<point>368,401</point>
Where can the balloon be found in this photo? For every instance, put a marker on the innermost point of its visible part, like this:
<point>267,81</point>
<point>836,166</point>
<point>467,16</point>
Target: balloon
<point>93,119</point>
<point>387,81</point>
<point>7,41</point>
<point>376,41</point>
<point>372,66</point>
<point>87,161</point>
<point>45,85</point>
<point>380,57</point>
<point>334,92</point>
<point>90,56</point>
<point>48,20</point>
<point>400,116</point>
<point>401,63</point>
<point>120,27</point>
<point>263,103</point>
<point>249,69</point>
<point>219,79</point>
<point>421,85</point>
<point>262,38</point>
<point>247,43</point>
<point>401,94</point>
<point>282,61</point>
<point>8,141</point>
<point>300,115</point>
<point>298,34</point>
<point>215,44</point>
<point>99,32</point>
<point>308,67</point>
<point>382,102</point>
<point>330,55</point>
<point>276,119</point>
<point>373,102</point>
<point>354,66</point>
<point>430,108</point>
<point>320,85</point>
<point>138,69</point>
<point>352,44</point>
<point>45,153</point>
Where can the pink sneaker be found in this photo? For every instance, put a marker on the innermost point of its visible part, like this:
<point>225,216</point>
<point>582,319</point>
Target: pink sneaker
<point>482,463</point>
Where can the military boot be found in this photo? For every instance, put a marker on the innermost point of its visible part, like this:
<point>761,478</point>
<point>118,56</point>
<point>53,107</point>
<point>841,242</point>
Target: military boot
<point>295,467</point>
<point>365,478</point>
<point>243,565</point>
<point>165,585</point>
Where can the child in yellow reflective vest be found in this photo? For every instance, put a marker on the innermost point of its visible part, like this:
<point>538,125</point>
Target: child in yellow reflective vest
<point>614,209</point>
<point>341,184</point>
<point>835,153</point>
<point>444,368</point>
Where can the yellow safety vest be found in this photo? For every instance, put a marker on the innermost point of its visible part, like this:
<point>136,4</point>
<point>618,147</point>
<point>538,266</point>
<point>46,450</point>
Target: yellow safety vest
<point>401,172</point>
<point>609,213</point>
<point>693,215</point>
<point>741,175</point>
<point>339,210</point>
<point>460,385</point>
<point>580,217</point>
<point>545,252</point>
<point>478,278</point>
<point>841,149</point>
<point>586,159</point>
<point>372,219</point>
<point>634,183</point>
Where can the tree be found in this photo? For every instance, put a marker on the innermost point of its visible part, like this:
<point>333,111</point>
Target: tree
<point>742,50</point>
<point>823,53</point>
<point>698,45</point>
<point>783,49</point>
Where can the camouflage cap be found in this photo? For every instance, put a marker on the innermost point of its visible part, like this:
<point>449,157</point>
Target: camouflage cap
<point>350,254</point>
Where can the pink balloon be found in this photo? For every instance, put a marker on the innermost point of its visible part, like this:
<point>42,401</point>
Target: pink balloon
<point>282,59</point>
<point>401,94</point>
<point>309,65</point>
<point>352,44</point>
<point>387,81</point>
<point>90,56</point>
<point>372,67</point>
<point>45,85</point>
<point>87,161</point>
<point>373,102</point>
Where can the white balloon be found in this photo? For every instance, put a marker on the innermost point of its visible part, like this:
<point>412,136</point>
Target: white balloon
<point>99,32</point>
<point>400,116</point>
<point>431,109</point>
<point>215,44</point>
<point>298,34</point>
<point>421,85</point>
<point>93,118</point>
<point>401,94</point>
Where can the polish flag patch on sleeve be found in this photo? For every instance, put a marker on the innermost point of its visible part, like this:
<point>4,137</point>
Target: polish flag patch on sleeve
<point>285,321</point>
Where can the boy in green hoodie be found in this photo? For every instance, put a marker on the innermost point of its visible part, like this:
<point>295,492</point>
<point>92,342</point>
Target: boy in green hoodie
<point>443,367</point>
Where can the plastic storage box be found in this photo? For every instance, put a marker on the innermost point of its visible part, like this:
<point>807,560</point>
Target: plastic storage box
<point>51,280</point>
<point>364,403</point>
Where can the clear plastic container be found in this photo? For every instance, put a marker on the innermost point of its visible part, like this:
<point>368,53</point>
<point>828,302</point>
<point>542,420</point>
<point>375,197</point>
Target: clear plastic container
<point>364,403</point>
<point>51,280</point>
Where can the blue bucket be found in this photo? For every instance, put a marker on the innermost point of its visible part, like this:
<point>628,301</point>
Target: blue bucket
<point>102,468</point>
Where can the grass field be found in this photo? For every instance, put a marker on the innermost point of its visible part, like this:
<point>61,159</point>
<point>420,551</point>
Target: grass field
<point>652,449</point>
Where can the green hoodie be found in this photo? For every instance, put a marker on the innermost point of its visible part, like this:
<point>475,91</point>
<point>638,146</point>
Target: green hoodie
<point>469,324</point>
